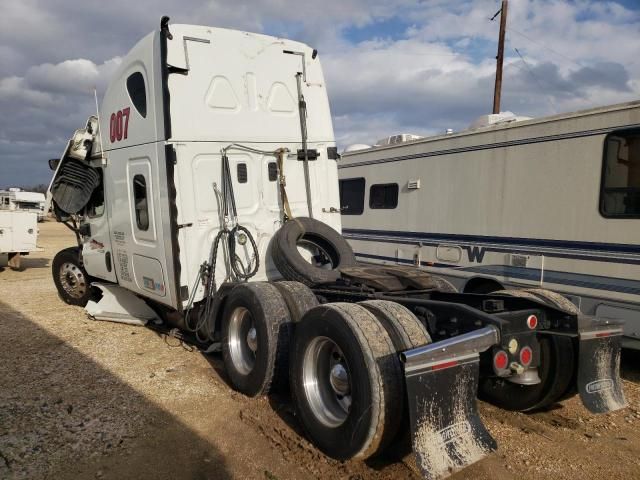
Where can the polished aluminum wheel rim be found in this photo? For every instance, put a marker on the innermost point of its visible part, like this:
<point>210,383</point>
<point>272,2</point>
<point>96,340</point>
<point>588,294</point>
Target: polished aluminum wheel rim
<point>326,382</point>
<point>243,340</point>
<point>72,280</point>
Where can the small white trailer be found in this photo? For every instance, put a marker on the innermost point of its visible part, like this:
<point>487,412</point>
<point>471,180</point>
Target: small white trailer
<point>18,199</point>
<point>18,236</point>
<point>551,202</point>
<point>210,195</point>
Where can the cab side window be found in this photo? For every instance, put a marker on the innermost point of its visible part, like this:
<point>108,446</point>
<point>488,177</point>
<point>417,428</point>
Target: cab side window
<point>137,92</point>
<point>141,204</point>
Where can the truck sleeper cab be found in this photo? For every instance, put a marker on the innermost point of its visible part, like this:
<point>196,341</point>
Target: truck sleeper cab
<point>212,193</point>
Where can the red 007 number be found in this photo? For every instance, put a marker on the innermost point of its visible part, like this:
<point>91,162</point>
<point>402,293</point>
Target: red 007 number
<point>119,125</point>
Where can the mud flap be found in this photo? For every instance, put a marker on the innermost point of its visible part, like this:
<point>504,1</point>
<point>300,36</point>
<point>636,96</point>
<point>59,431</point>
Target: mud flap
<point>447,433</point>
<point>599,381</point>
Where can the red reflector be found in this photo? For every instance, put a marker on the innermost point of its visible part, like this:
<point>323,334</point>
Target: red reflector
<point>500,360</point>
<point>525,356</point>
<point>532,322</point>
<point>440,366</point>
<point>602,334</point>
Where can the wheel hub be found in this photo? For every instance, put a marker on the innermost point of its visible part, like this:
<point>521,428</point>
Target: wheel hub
<point>252,339</point>
<point>72,280</point>
<point>326,381</point>
<point>339,379</point>
<point>243,340</point>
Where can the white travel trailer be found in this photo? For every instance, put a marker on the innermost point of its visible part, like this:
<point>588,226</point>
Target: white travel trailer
<point>18,236</point>
<point>17,199</point>
<point>209,189</point>
<point>552,202</point>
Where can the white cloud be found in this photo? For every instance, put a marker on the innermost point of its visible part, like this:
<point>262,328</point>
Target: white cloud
<point>71,76</point>
<point>437,74</point>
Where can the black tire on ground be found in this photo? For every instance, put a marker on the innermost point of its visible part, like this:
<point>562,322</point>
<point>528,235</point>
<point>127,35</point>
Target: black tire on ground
<point>555,299</point>
<point>406,332</point>
<point>298,297</point>
<point>71,279</point>
<point>346,381</point>
<point>255,338</point>
<point>557,363</point>
<point>331,247</point>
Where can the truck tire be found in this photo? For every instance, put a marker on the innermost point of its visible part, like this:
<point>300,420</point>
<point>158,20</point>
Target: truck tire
<point>517,293</point>
<point>406,332</point>
<point>346,381</point>
<point>298,297</point>
<point>255,338</point>
<point>404,328</point>
<point>443,285</point>
<point>70,278</point>
<point>555,299</point>
<point>332,249</point>
<point>557,363</point>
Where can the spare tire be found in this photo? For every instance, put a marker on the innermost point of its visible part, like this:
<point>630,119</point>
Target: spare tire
<point>327,249</point>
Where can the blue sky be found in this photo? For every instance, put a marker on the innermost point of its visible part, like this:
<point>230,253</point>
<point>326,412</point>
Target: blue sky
<point>391,66</point>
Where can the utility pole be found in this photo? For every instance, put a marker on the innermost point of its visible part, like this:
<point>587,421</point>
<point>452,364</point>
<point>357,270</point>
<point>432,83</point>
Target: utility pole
<point>500,57</point>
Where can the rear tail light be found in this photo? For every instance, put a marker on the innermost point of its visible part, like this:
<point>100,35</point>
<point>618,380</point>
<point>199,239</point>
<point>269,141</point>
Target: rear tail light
<point>526,356</point>
<point>532,322</point>
<point>500,360</point>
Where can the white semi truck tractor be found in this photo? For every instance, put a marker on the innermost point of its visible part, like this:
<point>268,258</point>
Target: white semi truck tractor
<point>208,188</point>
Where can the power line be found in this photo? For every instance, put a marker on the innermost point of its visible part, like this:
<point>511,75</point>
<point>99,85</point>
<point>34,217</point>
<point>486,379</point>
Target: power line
<point>511,29</point>
<point>535,78</point>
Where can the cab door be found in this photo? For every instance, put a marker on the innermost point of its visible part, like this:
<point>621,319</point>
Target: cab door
<point>97,253</point>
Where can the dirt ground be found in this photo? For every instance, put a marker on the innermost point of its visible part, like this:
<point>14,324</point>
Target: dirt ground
<point>85,399</point>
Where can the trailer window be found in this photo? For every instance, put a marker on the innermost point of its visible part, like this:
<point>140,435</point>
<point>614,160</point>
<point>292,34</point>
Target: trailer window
<point>137,92</point>
<point>141,204</point>
<point>352,196</point>
<point>273,171</point>
<point>243,176</point>
<point>383,196</point>
<point>620,195</point>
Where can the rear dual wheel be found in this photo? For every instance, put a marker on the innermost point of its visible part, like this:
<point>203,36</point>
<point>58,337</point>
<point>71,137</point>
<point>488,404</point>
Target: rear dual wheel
<point>255,338</point>
<point>556,369</point>
<point>346,378</point>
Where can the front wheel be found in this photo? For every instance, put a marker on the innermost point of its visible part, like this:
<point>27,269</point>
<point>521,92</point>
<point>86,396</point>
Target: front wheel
<point>70,277</point>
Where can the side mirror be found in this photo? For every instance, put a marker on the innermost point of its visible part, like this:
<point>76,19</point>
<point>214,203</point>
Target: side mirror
<point>53,164</point>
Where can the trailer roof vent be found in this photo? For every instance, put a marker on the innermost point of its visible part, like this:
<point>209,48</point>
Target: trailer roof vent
<point>496,119</point>
<point>355,147</point>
